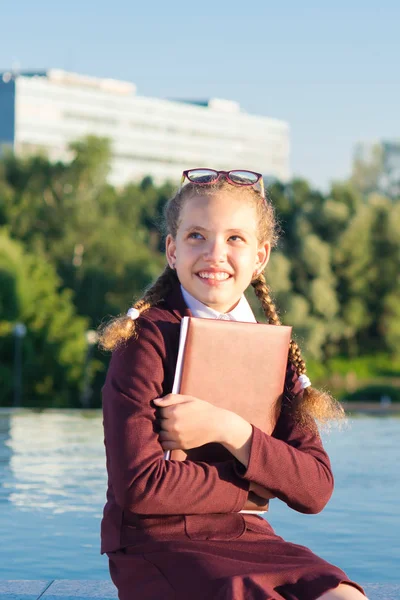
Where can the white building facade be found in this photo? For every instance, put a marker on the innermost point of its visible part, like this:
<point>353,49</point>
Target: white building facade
<point>45,111</point>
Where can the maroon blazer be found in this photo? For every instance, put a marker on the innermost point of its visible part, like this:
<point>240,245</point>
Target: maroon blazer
<point>149,498</point>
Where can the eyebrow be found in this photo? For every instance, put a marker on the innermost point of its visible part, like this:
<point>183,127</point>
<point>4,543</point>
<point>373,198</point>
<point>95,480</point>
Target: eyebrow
<point>198,228</point>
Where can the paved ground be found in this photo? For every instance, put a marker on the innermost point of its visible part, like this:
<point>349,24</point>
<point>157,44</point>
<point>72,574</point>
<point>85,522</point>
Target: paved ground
<point>63,589</point>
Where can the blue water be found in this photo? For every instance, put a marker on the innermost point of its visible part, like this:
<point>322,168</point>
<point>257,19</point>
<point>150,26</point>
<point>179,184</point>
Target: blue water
<point>53,483</point>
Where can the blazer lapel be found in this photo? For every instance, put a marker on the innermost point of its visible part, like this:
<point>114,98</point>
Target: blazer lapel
<point>175,302</point>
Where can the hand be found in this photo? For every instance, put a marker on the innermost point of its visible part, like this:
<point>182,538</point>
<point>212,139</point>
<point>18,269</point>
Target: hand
<point>188,422</point>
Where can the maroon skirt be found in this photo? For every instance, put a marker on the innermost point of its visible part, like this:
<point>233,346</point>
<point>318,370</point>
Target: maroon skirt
<point>256,564</point>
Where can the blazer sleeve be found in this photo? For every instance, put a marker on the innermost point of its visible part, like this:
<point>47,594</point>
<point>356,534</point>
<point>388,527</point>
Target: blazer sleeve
<point>142,480</point>
<point>291,463</point>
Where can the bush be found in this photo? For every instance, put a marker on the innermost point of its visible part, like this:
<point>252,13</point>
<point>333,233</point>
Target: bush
<point>374,393</point>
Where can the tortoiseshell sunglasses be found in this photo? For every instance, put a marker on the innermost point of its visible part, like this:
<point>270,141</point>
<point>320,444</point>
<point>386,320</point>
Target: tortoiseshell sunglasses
<point>236,177</point>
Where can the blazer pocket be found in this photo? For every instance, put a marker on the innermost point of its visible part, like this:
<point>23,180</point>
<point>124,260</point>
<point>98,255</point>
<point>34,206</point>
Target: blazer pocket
<point>138,529</point>
<point>258,524</point>
<point>215,526</point>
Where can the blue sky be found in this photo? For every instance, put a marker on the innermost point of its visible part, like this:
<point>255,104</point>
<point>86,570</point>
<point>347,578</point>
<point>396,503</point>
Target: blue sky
<point>332,71</point>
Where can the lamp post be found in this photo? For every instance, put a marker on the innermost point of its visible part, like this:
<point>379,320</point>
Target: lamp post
<point>19,334</point>
<point>91,339</point>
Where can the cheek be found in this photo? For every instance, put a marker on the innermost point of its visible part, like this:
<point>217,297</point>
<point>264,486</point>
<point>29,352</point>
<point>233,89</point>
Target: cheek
<point>186,255</point>
<point>247,261</point>
<point>192,250</point>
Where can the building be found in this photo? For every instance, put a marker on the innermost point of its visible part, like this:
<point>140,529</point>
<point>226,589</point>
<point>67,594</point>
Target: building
<point>150,136</point>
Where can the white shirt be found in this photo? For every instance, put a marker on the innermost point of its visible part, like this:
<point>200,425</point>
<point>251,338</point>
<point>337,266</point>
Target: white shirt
<point>241,312</point>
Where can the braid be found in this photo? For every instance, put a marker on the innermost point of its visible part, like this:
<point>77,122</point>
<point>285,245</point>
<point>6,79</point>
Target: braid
<point>315,403</point>
<point>262,292</point>
<point>121,328</point>
<point>296,358</point>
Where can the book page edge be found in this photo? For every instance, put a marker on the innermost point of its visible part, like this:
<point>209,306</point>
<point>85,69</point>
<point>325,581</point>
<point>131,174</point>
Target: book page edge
<point>179,361</point>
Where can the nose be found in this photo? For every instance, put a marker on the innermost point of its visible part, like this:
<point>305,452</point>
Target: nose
<point>215,252</point>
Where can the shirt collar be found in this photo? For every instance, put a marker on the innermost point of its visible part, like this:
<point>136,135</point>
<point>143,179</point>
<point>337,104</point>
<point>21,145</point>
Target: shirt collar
<point>241,312</point>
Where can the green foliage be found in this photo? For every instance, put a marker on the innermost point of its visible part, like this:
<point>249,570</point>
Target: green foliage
<point>74,249</point>
<point>374,393</point>
<point>367,366</point>
<point>375,170</point>
<point>54,346</point>
<point>99,240</point>
<point>367,171</point>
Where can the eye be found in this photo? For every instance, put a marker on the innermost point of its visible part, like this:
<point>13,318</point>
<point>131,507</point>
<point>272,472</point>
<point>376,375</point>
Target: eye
<point>195,235</point>
<point>237,238</point>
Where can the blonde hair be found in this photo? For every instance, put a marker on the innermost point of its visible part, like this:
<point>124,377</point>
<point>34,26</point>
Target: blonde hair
<point>313,403</point>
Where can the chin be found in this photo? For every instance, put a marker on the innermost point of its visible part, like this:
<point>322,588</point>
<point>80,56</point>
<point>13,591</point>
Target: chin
<point>214,301</point>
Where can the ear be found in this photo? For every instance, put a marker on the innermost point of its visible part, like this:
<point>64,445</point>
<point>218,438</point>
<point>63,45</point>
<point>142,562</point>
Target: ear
<point>170,250</point>
<point>263,254</point>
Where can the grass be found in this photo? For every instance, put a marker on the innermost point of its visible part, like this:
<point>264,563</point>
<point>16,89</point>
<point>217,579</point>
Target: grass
<point>364,378</point>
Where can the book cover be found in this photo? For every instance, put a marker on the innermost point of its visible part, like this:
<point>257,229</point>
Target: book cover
<point>237,366</point>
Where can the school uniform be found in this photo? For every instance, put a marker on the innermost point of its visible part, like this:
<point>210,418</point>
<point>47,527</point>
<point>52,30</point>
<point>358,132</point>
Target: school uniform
<point>173,530</point>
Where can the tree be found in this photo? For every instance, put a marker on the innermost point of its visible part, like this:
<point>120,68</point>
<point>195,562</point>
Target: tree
<point>376,169</point>
<point>54,347</point>
<point>367,262</point>
<point>333,276</point>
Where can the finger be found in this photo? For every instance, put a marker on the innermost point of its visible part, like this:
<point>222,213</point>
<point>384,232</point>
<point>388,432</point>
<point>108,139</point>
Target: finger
<point>170,446</point>
<point>165,436</point>
<point>170,400</point>
<point>166,412</point>
<point>165,423</point>
<point>167,426</point>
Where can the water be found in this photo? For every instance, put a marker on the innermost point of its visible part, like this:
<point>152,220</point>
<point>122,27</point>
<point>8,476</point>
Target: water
<point>53,483</point>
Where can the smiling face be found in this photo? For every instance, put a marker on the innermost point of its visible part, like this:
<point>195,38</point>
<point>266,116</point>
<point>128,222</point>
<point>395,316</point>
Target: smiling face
<point>216,250</point>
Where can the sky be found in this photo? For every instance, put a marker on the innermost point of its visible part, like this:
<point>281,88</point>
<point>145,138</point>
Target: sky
<point>331,70</point>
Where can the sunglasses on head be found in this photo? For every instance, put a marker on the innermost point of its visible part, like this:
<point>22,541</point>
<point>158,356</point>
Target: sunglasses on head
<point>235,176</point>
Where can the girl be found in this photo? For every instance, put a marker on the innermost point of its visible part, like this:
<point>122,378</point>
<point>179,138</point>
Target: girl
<point>175,530</point>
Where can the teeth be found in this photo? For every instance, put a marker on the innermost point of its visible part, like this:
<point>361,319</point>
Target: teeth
<point>220,276</point>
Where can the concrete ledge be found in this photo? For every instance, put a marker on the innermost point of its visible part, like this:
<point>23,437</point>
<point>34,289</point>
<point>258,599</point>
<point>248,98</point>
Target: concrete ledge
<point>22,590</point>
<point>65,589</point>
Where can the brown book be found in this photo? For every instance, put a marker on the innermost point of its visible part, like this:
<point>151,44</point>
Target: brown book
<point>237,366</point>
